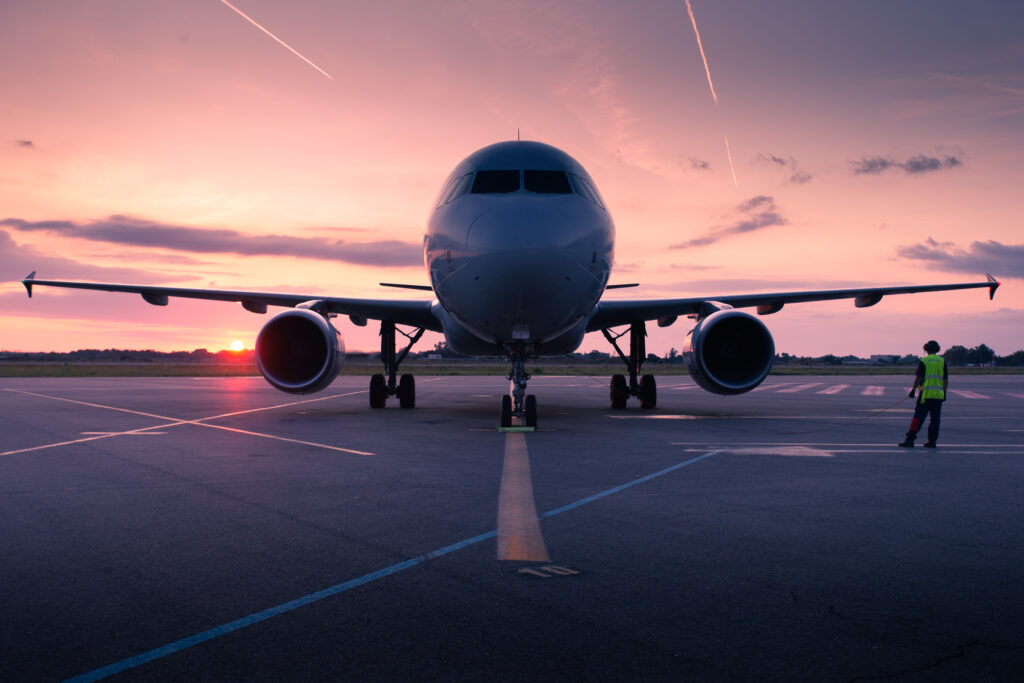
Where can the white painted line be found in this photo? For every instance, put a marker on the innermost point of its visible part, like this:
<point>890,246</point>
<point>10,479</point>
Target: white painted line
<point>175,423</point>
<point>967,394</point>
<point>1014,395</point>
<point>656,416</point>
<point>834,389</point>
<point>873,391</point>
<point>766,387</point>
<point>798,387</point>
<point>123,433</point>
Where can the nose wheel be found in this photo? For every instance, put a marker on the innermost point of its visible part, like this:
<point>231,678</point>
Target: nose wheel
<point>517,403</point>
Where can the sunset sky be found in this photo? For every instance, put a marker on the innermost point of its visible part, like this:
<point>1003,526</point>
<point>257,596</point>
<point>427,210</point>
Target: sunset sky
<point>873,143</point>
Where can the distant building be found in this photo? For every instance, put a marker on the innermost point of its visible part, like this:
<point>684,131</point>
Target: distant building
<point>883,358</point>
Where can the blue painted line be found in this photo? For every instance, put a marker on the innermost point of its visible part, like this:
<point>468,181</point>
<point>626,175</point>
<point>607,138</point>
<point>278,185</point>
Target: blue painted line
<point>635,482</point>
<point>224,629</point>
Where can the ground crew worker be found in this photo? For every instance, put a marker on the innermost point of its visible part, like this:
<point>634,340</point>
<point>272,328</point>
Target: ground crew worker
<point>933,378</point>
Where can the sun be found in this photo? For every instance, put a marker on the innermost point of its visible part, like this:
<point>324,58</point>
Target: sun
<point>237,345</point>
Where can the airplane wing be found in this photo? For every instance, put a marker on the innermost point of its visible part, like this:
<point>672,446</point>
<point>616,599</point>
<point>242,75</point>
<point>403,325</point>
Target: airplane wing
<point>398,311</point>
<point>624,312</point>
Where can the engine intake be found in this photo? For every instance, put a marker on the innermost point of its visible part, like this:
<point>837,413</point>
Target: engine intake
<point>299,351</point>
<point>729,352</point>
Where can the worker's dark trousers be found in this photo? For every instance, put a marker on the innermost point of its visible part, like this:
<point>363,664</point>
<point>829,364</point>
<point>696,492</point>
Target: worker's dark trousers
<point>931,407</point>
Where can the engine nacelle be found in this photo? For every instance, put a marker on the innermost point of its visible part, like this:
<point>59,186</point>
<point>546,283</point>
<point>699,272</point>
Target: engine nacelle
<point>299,351</point>
<point>729,352</point>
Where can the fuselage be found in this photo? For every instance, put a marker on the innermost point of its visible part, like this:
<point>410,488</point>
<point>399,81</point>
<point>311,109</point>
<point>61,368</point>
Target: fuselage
<point>518,249</point>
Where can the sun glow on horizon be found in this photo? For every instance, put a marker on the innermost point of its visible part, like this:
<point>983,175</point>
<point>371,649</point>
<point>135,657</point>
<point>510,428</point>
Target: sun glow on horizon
<point>237,345</point>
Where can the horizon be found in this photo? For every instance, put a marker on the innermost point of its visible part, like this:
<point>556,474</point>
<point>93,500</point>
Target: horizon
<point>802,146</point>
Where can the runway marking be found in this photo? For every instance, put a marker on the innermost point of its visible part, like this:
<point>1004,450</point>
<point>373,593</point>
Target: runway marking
<point>547,571</point>
<point>873,391</point>
<point>519,536</point>
<point>201,422</point>
<point>799,451</point>
<point>834,389</point>
<point>653,417</point>
<point>122,433</point>
<point>1014,395</point>
<point>799,387</point>
<point>257,617</point>
<point>702,445</point>
<point>967,394</point>
<point>766,387</point>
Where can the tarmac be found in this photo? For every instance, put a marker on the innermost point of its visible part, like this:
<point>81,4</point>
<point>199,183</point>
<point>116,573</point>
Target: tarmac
<point>172,529</point>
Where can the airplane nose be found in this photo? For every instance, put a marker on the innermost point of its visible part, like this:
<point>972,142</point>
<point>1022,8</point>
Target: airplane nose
<point>523,225</point>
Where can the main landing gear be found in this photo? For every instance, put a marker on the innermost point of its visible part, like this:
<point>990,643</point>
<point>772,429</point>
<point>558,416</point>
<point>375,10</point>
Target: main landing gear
<point>518,403</point>
<point>642,386</point>
<point>382,386</point>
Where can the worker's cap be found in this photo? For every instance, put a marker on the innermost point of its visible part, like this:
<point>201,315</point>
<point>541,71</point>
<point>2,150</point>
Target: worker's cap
<point>931,346</point>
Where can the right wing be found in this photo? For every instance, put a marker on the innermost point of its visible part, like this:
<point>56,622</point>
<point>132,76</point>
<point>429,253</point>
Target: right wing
<point>624,312</point>
<point>398,311</point>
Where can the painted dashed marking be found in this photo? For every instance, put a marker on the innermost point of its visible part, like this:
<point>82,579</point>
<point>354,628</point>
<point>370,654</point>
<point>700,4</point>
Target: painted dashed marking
<point>548,571</point>
<point>967,394</point>
<point>799,387</point>
<point>1014,395</point>
<point>871,390</point>
<point>835,389</point>
<point>766,387</point>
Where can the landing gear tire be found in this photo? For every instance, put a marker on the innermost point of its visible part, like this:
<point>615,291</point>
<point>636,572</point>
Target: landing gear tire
<point>530,409</point>
<point>619,392</point>
<point>506,411</point>
<point>378,391</point>
<point>406,391</point>
<point>648,392</point>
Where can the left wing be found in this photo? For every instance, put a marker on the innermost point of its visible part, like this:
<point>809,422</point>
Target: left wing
<point>399,311</point>
<point>624,312</point>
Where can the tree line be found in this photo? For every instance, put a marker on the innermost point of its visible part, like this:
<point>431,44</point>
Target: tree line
<point>955,356</point>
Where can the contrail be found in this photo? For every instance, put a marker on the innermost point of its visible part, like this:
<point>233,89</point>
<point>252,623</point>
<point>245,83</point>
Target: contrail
<point>728,153</point>
<point>286,45</point>
<point>714,95</point>
<point>700,46</point>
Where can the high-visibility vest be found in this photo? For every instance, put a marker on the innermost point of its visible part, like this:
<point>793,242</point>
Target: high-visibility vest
<point>932,386</point>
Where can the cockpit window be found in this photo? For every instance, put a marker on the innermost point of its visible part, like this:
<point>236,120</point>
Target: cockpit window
<point>582,187</point>
<point>546,182</point>
<point>496,182</point>
<point>460,188</point>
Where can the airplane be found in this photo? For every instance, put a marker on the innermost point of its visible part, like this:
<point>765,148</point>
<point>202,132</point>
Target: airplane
<point>518,250</point>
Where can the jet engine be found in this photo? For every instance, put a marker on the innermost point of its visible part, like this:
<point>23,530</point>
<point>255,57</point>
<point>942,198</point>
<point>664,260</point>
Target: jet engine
<point>729,352</point>
<point>299,351</point>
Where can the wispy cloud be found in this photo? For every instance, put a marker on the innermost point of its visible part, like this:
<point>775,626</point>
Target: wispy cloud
<point>699,164</point>
<point>797,176</point>
<point>18,260</point>
<point>1002,260</point>
<point>915,165</point>
<point>138,232</point>
<point>754,214</point>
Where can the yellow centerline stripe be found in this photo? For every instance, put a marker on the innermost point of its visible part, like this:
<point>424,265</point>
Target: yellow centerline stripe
<point>519,536</point>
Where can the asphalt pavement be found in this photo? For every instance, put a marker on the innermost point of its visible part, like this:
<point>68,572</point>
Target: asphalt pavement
<point>217,529</point>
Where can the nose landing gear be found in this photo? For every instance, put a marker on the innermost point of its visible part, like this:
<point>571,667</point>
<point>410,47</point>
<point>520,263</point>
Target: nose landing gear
<point>518,403</point>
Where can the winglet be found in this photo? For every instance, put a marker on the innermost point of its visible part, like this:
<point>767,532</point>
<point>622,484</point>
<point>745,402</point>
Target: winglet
<point>993,284</point>
<point>425,288</point>
<point>28,282</point>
